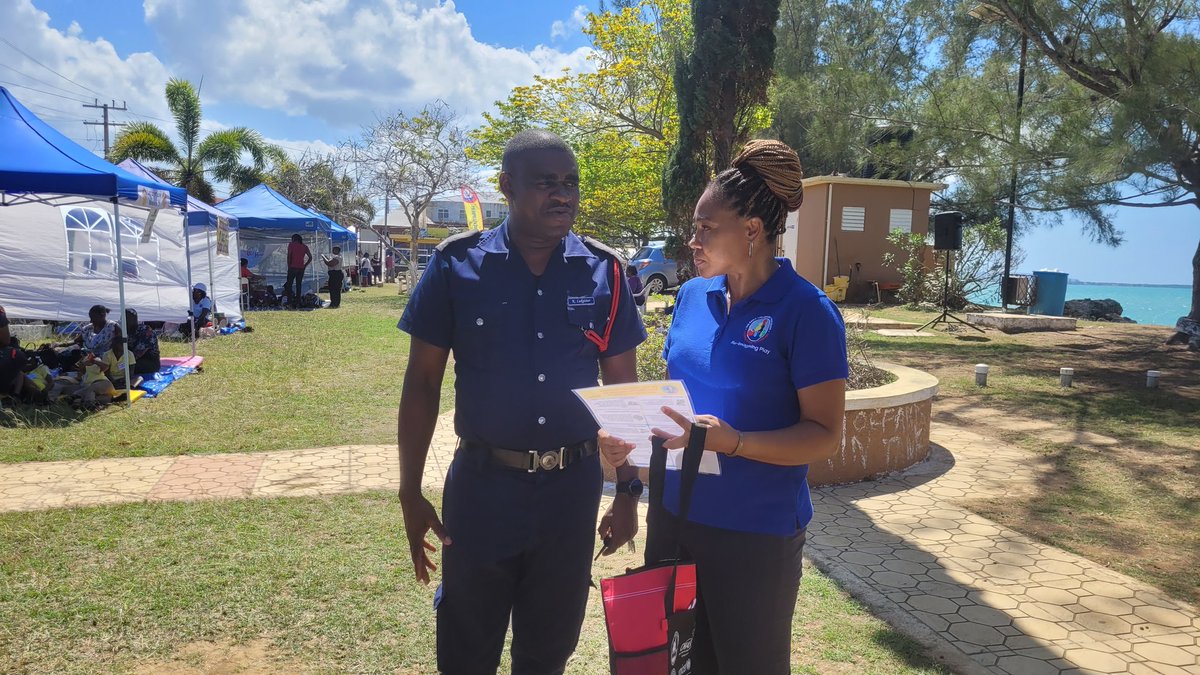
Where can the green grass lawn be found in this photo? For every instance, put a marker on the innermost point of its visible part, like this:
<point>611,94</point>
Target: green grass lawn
<point>324,583</point>
<point>301,379</point>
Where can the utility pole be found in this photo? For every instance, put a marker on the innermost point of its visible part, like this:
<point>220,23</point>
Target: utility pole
<point>106,124</point>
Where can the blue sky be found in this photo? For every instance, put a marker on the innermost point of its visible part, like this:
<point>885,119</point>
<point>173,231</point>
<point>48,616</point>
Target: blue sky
<point>309,73</point>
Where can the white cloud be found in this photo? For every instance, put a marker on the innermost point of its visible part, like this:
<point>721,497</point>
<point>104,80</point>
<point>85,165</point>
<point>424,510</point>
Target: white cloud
<point>561,28</point>
<point>343,61</point>
<point>95,67</point>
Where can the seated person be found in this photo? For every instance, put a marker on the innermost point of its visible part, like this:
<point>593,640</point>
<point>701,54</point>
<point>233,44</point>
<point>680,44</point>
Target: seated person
<point>38,381</point>
<point>12,377</point>
<point>248,275</point>
<point>201,314</point>
<point>96,387</point>
<point>99,335</point>
<point>143,345</point>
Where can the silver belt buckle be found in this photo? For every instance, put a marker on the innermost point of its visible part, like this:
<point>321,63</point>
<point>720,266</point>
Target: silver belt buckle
<point>551,459</point>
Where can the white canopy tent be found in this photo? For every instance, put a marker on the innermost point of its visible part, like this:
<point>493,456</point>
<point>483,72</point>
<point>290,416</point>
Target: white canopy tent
<point>38,165</point>
<point>57,261</point>
<point>212,263</point>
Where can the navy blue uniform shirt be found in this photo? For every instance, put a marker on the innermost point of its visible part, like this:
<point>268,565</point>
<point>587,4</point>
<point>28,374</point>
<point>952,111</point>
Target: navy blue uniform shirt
<point>518,339</point>
<point>744,365</point>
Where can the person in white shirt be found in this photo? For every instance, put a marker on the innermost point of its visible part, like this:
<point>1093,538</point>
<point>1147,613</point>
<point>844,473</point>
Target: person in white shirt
<point>336,276</point>
<point>201,314</point>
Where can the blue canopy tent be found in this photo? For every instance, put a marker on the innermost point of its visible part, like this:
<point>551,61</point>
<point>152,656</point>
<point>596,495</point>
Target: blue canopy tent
<point>266,222</point>
<point>40,165</point>
<point>203,220</point>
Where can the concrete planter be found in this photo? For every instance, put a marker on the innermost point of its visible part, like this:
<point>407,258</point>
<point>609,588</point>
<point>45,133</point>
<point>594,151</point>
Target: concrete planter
<point>886,429</point>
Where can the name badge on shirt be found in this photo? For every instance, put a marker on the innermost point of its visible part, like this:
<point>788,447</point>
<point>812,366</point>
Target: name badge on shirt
<point>584,301</point>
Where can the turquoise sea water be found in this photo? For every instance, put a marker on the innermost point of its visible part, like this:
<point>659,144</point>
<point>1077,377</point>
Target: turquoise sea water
<point>1158,305</point>
<point>1161,305</point>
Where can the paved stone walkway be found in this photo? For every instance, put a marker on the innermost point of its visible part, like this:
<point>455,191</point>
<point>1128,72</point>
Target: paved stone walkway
<point>986,598</point>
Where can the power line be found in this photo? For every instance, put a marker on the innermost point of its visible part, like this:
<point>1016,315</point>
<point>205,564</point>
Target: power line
<point>42,82</point>
<point>40,91</point>
<point>22,52</point>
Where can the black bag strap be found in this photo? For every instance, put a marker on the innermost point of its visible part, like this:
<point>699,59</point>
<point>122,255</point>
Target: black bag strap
<point>689,470</point>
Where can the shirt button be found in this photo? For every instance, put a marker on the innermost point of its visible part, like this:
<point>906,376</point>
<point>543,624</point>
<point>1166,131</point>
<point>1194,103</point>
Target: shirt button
<point>541,420</point>
<point>541,335</point>
<point>479,321</point>
<point>541,377</point>
<point>539,291</point>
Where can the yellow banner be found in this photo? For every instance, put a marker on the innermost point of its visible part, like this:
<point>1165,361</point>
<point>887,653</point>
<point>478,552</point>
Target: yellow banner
<point>472,208</point>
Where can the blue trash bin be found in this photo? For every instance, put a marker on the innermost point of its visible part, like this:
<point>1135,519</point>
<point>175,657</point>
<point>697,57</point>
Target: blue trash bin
<point>1050,293</point>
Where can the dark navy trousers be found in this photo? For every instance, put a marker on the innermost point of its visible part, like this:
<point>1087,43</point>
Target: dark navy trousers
<point>523,545</point>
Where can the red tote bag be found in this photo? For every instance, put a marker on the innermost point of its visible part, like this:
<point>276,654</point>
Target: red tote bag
<point>650,611</point>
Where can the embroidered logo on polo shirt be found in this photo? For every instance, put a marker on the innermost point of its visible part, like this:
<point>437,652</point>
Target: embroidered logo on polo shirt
<point>758,329</point>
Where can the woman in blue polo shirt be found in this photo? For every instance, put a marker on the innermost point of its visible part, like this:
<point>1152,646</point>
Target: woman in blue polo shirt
<point>763,354</point>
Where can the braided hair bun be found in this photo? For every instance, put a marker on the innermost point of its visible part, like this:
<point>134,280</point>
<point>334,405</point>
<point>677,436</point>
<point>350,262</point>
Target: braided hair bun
<point>765,182</point>
<point>779,167</point>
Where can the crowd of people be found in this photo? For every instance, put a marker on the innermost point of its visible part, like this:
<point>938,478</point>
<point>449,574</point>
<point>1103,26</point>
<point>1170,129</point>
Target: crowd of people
<point>362,270</point>
<point>88,371</point>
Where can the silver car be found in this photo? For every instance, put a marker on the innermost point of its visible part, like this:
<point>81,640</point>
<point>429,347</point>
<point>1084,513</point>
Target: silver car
<point>654,268</point>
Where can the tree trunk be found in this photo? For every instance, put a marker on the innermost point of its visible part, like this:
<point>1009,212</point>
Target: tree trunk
<point>1194,315</point>
<point>1191,323</point>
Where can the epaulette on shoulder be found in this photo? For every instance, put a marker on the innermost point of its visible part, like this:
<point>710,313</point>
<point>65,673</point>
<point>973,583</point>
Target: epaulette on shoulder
<point>603,249</point>
<point>459,238</point>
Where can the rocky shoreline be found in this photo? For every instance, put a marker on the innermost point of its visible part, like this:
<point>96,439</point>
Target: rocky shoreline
<point>1096,310</point>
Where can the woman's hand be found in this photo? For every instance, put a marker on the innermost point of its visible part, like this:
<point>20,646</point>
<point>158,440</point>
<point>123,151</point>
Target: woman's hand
<point>720,436</point>
<point>612,449</point>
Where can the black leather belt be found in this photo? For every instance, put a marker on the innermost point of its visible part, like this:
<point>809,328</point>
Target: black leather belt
<point>534,460</point>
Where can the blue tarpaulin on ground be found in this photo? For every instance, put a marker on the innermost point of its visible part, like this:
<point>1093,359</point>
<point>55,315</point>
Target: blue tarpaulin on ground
<point>154,384</point>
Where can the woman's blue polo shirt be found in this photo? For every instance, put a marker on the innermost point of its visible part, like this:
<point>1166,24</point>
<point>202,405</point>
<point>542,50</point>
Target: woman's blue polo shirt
<point>745,366</point>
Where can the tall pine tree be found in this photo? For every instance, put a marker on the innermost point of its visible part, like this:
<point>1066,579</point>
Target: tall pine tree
<point>721,86</point>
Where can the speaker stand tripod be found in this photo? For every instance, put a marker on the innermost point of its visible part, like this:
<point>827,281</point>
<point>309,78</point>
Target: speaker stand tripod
<point>946,315</point>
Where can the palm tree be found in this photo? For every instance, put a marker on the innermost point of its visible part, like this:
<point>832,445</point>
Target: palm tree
<point>191,164</point>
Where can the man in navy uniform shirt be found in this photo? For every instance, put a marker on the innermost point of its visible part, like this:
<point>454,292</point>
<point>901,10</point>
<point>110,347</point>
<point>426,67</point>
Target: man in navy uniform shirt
<point>530,311</point>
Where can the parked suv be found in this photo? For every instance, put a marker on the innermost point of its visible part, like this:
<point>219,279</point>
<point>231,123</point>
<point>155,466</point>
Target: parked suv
<point>654,268</point>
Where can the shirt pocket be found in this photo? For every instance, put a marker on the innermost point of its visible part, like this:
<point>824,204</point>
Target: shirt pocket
<point>478,333</point>
<point>593,317</point>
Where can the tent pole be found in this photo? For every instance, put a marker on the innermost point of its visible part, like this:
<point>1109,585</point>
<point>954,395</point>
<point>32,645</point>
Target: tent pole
<point>212,287</point>
<point>187,247</point>
<point>121,297</point>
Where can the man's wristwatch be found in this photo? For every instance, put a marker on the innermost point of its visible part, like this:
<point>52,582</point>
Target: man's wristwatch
<point>630,487</point>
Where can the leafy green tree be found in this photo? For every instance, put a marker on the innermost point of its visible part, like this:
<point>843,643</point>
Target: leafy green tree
<point>619,116</point>
<point>196,162</point>
<point>1134,69</point>
<point>1109,115</point>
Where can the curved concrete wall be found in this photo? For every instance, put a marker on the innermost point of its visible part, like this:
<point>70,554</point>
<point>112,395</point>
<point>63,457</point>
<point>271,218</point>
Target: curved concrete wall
<point>886,429</point>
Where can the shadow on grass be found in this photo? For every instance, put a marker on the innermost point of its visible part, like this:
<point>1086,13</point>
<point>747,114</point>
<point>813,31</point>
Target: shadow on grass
<point>57,416</point>
<point>1136,512</point>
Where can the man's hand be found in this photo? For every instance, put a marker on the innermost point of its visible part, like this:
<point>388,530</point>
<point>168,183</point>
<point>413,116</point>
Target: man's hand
<point>419,518</point>
<point>619,525</point>
<point>613,449</point>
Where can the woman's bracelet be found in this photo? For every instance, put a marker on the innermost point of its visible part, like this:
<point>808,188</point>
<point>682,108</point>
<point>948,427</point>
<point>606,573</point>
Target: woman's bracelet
<point>738,447</point>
